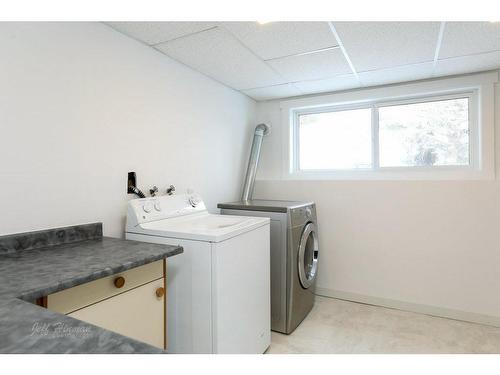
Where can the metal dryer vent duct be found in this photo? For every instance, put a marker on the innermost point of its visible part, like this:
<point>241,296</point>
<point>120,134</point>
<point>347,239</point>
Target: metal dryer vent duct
<point>261,130</point>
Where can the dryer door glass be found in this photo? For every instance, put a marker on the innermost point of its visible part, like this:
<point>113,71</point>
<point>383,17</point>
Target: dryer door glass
<point>308,256</point>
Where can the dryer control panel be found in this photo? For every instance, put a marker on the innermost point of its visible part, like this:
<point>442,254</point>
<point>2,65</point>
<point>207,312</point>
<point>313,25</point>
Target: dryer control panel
<point>145,210</point>
<point>299,216</point>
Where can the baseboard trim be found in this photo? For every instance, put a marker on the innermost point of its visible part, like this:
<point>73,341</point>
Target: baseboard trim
<point>412,307</point>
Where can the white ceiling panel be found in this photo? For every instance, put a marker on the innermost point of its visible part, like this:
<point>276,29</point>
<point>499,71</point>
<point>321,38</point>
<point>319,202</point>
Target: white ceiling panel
<point>273,92</point>
<point>318,65</point>
<point>157,32</point>
<point>343,82</point>
<point>378,45</point>
<point>467,38</point>
<point>278,39</point>
<point>274,60</point>
<point>468,64</point>
<point>396,74</point>
<point>219,55</point>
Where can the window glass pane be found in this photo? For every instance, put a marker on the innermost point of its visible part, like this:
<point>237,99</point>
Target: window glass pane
<point>424,134</point>
<point>335,140</point>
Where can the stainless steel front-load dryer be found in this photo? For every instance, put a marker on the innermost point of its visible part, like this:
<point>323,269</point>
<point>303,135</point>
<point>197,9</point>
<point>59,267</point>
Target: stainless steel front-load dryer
<point>294,256</point>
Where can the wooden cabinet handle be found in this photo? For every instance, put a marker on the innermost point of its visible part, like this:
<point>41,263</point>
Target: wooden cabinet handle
<point>160,292</point>
<point>119,281</point>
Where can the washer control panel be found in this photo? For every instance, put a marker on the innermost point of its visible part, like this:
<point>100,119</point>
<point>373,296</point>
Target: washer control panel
<point>145,210</point>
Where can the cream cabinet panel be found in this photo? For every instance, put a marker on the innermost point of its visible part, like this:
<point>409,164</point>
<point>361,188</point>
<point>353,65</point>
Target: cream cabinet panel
<point>138,313</point>
<point>72,299</point>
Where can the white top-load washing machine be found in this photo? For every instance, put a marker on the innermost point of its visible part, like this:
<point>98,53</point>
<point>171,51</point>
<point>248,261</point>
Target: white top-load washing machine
<point>218,289</point>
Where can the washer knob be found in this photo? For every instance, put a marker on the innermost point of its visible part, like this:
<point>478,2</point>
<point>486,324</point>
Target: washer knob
<point>157,206</point>
<point>147,207</point>
<point>194,200</point>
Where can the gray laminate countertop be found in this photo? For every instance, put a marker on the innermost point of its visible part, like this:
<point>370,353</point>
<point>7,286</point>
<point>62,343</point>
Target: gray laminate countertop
<point>33,265</point>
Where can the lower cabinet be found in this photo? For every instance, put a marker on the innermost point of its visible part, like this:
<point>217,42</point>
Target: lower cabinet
<point>138,313</point>
<point>132,303</point>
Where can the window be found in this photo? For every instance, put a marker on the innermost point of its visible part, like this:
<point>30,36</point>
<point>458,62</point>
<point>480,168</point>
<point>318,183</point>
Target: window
<point>424,134</point>
<point>335,140</point>
<point>420,133</point>
<point>439,129</point>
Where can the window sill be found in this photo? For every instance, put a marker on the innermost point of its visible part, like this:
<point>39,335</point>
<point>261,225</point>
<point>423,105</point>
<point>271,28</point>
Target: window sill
<point>399,174</point>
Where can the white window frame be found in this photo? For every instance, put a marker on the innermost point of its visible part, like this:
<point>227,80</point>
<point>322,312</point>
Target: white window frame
<point>472,122</point>
<point>478,88</point>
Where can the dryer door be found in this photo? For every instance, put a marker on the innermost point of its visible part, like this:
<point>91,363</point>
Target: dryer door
<point>308,256</point>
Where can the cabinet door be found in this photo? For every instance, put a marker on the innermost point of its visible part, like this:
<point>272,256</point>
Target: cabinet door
<point>138,313</point>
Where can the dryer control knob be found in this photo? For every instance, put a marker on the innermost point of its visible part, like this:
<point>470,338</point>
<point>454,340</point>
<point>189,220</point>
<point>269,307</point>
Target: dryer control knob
<point>157,206</point>
<point>308,212</point>
<point>148,207</point>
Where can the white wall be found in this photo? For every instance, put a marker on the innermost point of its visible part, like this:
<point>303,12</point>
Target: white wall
<point>81,105</point>
<point>430,246</point>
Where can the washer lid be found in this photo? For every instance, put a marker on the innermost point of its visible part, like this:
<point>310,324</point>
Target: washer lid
<point>201,227</point>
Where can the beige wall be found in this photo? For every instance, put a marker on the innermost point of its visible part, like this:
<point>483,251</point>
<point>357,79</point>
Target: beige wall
<point>81,105</point>
<point>431,246</point>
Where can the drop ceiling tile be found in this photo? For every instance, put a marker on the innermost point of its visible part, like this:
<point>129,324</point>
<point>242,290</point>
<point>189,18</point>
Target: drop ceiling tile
<point>466,38</point>
<point>397,74</point>
<point>468,64</point>
<point>273,92</point>
<point>157,32</point>
<point>312,66</point>
<point>338,83</point>
<point>378,45</point>
<point>219,55</point>
<point>278,39</point>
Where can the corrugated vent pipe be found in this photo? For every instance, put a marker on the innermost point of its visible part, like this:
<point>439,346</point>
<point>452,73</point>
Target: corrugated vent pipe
<point>260,131</point>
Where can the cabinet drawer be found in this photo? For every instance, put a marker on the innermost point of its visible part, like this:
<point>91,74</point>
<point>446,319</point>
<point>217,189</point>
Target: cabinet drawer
<point>75,298</point>
<point>138,313</point>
